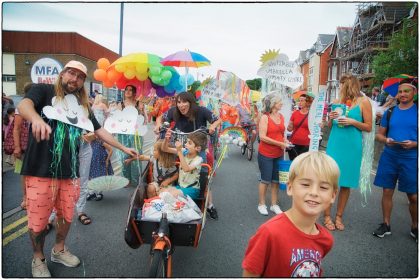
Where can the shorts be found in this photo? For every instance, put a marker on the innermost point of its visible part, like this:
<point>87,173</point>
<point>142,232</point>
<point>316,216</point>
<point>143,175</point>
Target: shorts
<point>392,168</point>
<point>44,194</point>
<point>269,169</point>
<point>194,193</point>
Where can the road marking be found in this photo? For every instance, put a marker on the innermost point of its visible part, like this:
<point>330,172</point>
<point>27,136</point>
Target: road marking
<point>15,224</point>
<point>15,235</point>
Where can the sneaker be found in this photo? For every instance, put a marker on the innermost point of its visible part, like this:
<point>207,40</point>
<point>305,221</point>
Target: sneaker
<point>262,209</point>
<point>65,257</point>
<point>40,268</point>
<point>91,196</point>
<point>414,233</point>
<point>276,209</point>
<point>382,230</point>
<point>213,213</point>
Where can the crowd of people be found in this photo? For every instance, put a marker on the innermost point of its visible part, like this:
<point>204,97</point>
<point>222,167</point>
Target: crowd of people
<point>315,178</point>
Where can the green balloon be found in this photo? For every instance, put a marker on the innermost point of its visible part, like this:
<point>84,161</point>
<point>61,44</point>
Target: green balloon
<point>166,75</point>
<point>155,70</point>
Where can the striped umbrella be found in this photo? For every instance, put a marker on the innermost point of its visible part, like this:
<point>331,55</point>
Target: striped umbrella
<point>185,59</point>
<point>390,85</point>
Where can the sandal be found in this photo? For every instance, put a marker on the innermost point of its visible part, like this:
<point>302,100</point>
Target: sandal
<point>328,223</point>
<point>99,197</point>
<point>23,204</point>
<point>84,219</point>
<point>339,222</point>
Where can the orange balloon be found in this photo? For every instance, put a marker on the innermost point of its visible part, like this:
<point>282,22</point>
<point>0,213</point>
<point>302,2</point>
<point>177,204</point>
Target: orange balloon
<point>103,63</point>
<point>100,75</point>
<point>108,84</point>
<point>113,75</point>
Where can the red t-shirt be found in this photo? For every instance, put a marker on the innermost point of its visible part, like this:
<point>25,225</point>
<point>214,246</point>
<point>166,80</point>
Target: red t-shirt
<point>276,132</point>
<point>300,137</point>
<point>279,249</point>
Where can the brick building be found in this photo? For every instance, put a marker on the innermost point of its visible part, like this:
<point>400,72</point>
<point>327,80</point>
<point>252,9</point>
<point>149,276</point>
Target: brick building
<point>39,56</point>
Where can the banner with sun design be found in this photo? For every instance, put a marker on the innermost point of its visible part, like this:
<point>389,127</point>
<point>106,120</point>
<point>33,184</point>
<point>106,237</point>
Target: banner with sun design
<point>278,69</point>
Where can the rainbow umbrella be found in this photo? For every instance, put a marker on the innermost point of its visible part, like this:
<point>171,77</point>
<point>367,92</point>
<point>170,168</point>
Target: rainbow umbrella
<point>185,59</point>
<point>390,85</point>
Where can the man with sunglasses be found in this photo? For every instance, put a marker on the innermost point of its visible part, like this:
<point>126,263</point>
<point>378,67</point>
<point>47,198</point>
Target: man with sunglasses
<point>399,159</point>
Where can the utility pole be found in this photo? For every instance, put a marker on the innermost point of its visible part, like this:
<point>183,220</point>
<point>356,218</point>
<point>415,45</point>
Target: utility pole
<point>121,40</point>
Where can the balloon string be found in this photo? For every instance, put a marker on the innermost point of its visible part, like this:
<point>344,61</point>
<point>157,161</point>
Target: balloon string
<point>138,147</point>
<point>57,150</point>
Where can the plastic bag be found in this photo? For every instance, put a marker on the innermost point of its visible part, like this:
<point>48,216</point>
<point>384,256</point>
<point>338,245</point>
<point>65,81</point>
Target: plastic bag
<point>179,210</point>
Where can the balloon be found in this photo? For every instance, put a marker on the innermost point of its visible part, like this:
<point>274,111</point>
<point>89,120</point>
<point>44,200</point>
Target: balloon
<point>155,70</point>
<point>113,75</point>
<point>141,68</point>
<point>100,75</point>
<point>166,75</point>
<point>103,63</point>
<point>160,92</point>
<point>108,84</point>
<point>121,82</point>
<point>142,76</point>
<point>190,79</point>
<point>120,68</point>
<point>157,80</point>
<point>129,74</point>
<point>165,82</point>
<point>182,80</point>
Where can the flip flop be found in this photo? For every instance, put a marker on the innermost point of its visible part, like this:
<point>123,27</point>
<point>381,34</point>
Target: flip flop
<point>99,197</point>
<point>328,223</point>
<point>84,219</point>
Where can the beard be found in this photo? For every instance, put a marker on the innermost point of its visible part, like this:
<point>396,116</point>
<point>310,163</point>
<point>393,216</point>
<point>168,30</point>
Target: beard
<point>70,87</point>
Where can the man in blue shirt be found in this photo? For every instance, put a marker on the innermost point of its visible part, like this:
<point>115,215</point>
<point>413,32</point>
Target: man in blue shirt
<point>398,161</point>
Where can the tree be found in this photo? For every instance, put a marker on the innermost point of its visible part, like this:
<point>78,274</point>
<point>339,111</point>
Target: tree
<point>401,57</point>
<point>254,84</point>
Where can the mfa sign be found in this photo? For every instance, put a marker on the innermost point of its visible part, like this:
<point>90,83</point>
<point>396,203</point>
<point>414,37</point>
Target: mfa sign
<point>45,70</point>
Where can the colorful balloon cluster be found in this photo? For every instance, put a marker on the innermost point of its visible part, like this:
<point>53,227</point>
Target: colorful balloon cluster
<point>164,79</point>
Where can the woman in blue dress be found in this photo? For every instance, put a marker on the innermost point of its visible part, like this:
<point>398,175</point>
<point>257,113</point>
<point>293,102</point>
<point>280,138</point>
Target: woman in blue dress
<point>345,142</point>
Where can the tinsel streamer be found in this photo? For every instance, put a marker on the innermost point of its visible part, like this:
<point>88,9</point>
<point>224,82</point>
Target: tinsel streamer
<point>61,132</point>
<point>368,146</point>
<point>57,151</point>
<point>138,143</point>
<point>75,134</point>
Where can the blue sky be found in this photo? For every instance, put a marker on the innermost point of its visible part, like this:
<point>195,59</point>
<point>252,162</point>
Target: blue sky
<point>232,36</point>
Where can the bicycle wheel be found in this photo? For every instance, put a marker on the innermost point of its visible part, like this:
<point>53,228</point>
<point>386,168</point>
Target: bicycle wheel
<point>158,265</point>
<point>250,151</point>
<point>243,149</point>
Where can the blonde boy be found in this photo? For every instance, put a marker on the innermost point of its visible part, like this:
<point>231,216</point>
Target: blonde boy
<point>292,244</point>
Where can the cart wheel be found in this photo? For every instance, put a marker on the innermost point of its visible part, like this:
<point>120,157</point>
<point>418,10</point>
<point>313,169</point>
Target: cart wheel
<point>159,265</point>
<point>250,151</point>
<point>243,149</point>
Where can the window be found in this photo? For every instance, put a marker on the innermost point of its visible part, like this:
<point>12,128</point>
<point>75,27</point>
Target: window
<point>9,78</point>
<point>311,76</point>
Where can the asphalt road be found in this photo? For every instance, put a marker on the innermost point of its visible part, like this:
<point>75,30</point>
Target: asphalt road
<point>104,253</point>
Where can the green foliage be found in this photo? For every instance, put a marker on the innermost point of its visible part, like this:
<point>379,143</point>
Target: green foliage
<point>402,55</point>
<point>254,84</point>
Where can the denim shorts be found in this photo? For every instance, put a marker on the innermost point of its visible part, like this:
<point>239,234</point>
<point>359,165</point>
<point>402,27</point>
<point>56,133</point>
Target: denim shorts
<point>392,168</point>
<point>269,169</point>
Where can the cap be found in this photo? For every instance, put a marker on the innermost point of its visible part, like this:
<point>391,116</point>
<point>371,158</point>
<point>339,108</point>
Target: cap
<point>76,65</point>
